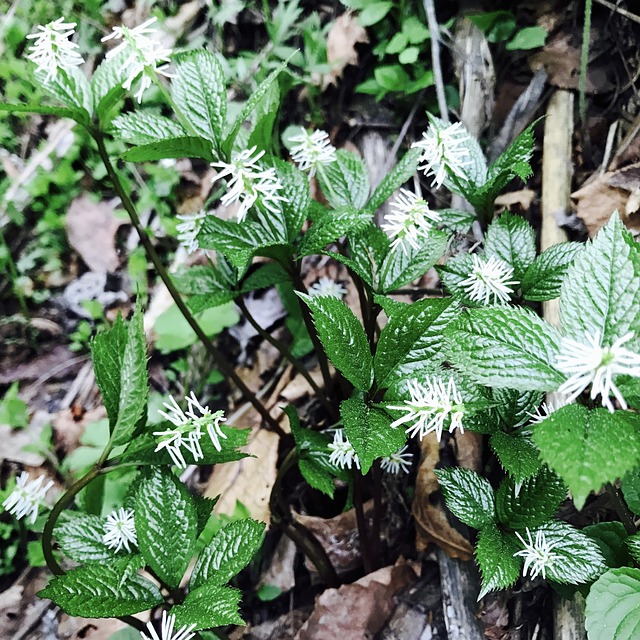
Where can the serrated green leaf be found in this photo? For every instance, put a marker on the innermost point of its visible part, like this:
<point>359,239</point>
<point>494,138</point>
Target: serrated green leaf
<point>531,502</point>
<point>514,407</point>
<point>264,117</point>
<point>210,605</point>
<point>494,555</point>
<point>103,590</point>
<point>457,220</point>
<point>79,115</point>
<point>368,246</point>
<point>611,538</point>
<point>204,509</point>
<point>70,86</point>
<point>180,147</point>
<point>452,274</point>
<point>144,127</point>
<point>511,238</point>
<point>515,161</point>
<point>506,347</point>
<point>80,539</point>
<point>343,339</point>
<point>630,389</point>
<point>295,190</point>
<point>166,524</point>
<point>543,279</point>
<point>106,83</point>
<point>517,454</point>
<point>601,291</point>
<point>228,553</point>
<point>631,490</point>
<point>316,476</point>
<point>331,227</point>
<point>632,544</point>
<point>345,182</point>
<point>198,91</point>
<point>394,179</point>
<point>587,448</point>
<point>412,337</point>
<point>467,495</point>
<point>613,606</point>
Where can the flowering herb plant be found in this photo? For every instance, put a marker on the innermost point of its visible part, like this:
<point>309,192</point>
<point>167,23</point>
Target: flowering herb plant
<point>477,359</point>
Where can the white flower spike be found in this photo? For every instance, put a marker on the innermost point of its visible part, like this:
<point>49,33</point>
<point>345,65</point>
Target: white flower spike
<point>53,49</point>
<point>398,462</point>
<point>589,363</point>
<point>166,630</point>
<point>431,404</point>
<point>120,530</point>
<point>189,229</point>
<point>327,287</point>
<point>538,555</point>
<point>490,281</point>
<point>342,452</point>
<point>313,150</point>
<point>547,408</point>
<point>27,498</point>
<point>411,221</point>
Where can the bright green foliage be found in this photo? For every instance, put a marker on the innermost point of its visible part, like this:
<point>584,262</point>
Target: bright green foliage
<point>633,546</point>
<point>74,113</point>
<point>613,541</point>
<point>345,182</point>
<point>331,227</point>
<point>175,147</point>
<point>210,605</point>
<point>494,555</point>
<point>368,247</point>
<point>587,448</point>
<point>468,496</point>
<point>543,279</point>
<point>106,84</point>
<point>631,490</point>
<point>398,176</point>
<point>512,239</point>
<point>295,190</point>
<point>80,538</point>
<point>70,87</point>
<point>143,127</point>
<point>517,454</point>
<point>515,407</point>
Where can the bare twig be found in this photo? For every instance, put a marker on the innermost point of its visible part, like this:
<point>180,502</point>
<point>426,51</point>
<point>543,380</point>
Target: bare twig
<point>434,29</point>
<point>620,10</point>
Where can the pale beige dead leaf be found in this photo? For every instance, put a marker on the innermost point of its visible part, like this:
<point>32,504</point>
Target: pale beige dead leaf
<point>522,198</point>
<point>342,38</point>
<point>68,427</point>
<point>91,229</point>
<point>281,570</point>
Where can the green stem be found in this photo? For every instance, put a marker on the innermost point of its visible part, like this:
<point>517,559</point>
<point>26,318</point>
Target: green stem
<point>218,358</point>
<point>621,509</point>
<point>13,273</point>
<point>376,554</point>
<point>584,61</point>
<point>361,521</point>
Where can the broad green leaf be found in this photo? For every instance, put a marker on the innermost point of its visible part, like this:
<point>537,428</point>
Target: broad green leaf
<point>514,407</point>
<point>70,86</point>
<point>144,127</point>
<point>345,182</point>
<point>103,590</point>
<point>612,540</point>
<point>264,117</point>
<point>210,605</point>
<point>166,523</point>
<point>79,115</point>
<point>369,431</point>
<point>587,448</point>
<point>468,496</point>
<point>295,190</point>
<point>528,38</point>
<point>511,238</point>
<point>613,606</point>
<point>80,538</point>
<point>106,83</point>
<point>631,490</point>
<point>494,555</point>
<point>531,502</point>
<point>515,161</point>
<point>506,347</point>
<point>601,291</point>
<point>457,220</point>
<point>630,389</point>
<point>543,279</point>
<point>368,247</point>
<point>228,553</point>
<point>179,147</point>
<point>204,509</point>
<point>316,476</point>
<point>331,227</point>
<point>517,454</point>
<point>453,273</point>
<point>632,544</point>
<point>198,91</point>
<point>373,12</point>
<point>343,339</point>
<point>400,174</point>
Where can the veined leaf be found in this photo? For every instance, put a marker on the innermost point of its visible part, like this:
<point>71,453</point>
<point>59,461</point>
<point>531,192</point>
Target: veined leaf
<point>345,182</point>
<point>494,555</point>
<point>106,83</point>
<point>543,279</point>
<point>80,538</point>
<point>295,189</point>
<point>517,454</point>
<point>79,115</point>
<point>210,605</point>
<point>331,227</point>
<point>368,247</point>
<point>70,86</point>
<point>511,238</point>
<point>143,127</point>
<point>394,179</point>
<point>179,147</point>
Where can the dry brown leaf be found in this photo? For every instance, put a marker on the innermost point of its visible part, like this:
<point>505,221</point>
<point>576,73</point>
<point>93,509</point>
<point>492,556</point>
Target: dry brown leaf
<point>281,570</point>
<point>342,38</point>
<point>522,199</point>
<point>469,450</point>
<point>431,520</point>
<point>91,230</point>
<point>54,364</point>
<point>67,428</point>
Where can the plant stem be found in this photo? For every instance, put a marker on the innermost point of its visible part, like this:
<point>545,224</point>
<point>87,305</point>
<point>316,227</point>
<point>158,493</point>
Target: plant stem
<point>13,273</point>
<point>584,61</point>
<point>621,509</point>
<point>213,351</point>
<point>376,554</point>
<point>363,533</point>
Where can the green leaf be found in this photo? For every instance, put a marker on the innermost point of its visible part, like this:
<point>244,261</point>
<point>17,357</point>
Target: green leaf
<point>631,490</point>
<point>198,91</point>
<point>210,605</point>
<point>228,553</point>
<point>265,118</point>
<point>412,337</point>
<point>601,291</point>
<point>369,431</point>
<point>144,127</point>
<point>612,540</point>
<point>344,182</point>
<point>543,279</point>
<point>331,227</point>
<point>511,238</point>
<point>71,87</point>
<point>468,496</point>
<point>613,606</point>
<point>78,115</point>
<point>632,544</point>
<point>179,147</point>
<point>391,77</point>
<point>514,162</point>
<point>374,12</point>
<point>80,539</point>
<point>527,38</point>
<point>343,339</point>
<point>402,266</point>
<point>516,407</point>
<point>587,448</point>
<point>531,502</point>
<point>295,190</point>
<point>494,555</point>
<point>103,590</point>
<point>517,454</point>
<point>106,83</point>
<point>506,347</point>
<point>398,176</point>
<point>368,247</point>
<point>166,524</point>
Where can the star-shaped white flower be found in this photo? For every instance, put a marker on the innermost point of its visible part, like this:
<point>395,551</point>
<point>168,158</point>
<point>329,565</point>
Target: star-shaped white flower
<point>53,49</point>
<point>411,221</point>
<point>313,150</point>
<point>430,406</point>
<point>27,498</point>
<point>167,631</point>
<point>120,530</point>
<point>490,281</point>
<point>327,287</point>
<point>189,229</point>
<point>538,555</point>
<point>547,408</point>
<point>590,363</point>
<point>398,462</point>
<point>343,455</point>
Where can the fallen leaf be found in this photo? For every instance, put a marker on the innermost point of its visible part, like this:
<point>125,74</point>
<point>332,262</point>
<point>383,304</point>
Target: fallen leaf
<point>281,571</point>
<point>68,428</point>
<point>342,38</point>
<point>522,199</point>
<point>59,362</point>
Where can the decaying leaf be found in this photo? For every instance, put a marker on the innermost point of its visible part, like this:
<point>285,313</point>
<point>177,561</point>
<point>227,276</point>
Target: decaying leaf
<point>522,198</point>
<point>342,38</point>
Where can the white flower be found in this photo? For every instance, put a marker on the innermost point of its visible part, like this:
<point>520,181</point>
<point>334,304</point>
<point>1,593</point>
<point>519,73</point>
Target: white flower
<point>120,530</point>
<point>52,49</point>
<point>166,631</point>
<point>538,556</point>
<point>592,364</point>
<point>189,229</point>
<point>490,278</point>
<point>430,405</point>
<point>27,497</point>
<point>145,54</point>
<point>248,181</point>
<point>314,150</point>
<point>411,221</point>
<point>327,287</point>
<point>397,462</point>
<point>444,151</point>
<point>547,408</point>
<point>342,452</point>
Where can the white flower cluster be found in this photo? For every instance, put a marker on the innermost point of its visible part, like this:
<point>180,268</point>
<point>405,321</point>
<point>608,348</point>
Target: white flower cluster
<point>327,287</point>
<point>27,498</point>
<point>313,150</point>
<point>398,462</point>
<point>166,630</point>
<point>538,554</point>
<point>343,455</point>
<point>189,229</point>
<point>189,429</point>
<point>490,281</point>
<point>249,182</point>
<point>120,530</point>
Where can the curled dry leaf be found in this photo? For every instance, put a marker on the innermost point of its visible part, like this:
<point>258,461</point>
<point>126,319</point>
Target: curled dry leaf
<point>342,38</point>
<point>522,199</point>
